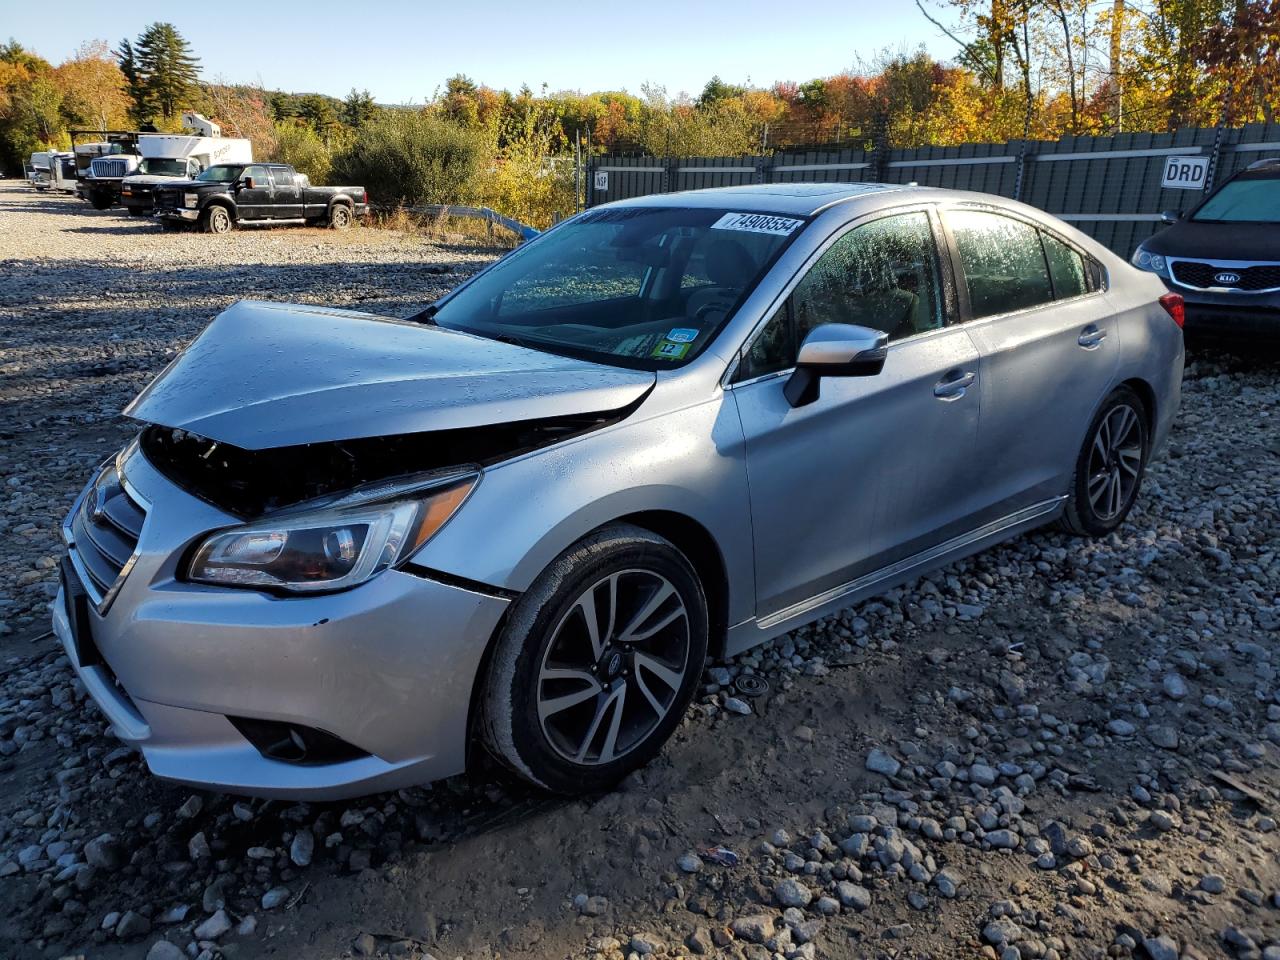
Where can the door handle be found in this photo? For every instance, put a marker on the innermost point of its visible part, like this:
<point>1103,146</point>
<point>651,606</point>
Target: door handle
<point>1090,337</point>
<point>954,384</point>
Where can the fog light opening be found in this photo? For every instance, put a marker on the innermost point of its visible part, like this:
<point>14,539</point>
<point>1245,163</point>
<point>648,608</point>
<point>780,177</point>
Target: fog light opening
<point>294,743</point>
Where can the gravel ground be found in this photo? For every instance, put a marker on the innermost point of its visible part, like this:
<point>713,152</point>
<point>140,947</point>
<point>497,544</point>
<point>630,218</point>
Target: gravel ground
<point>1057,749</point>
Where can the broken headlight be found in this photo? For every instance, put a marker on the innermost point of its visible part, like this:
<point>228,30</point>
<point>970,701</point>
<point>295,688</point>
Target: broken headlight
<point>334,547</point>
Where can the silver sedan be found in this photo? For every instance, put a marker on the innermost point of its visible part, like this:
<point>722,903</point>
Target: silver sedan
<point>344,551</point>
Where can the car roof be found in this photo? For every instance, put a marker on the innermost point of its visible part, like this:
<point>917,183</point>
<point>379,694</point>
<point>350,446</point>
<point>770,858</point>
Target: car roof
<point>807,199</point>
<point>802,199</point>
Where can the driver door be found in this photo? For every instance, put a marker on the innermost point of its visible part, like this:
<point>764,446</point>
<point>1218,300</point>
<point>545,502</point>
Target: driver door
<point>878,468</point>
<point>254,203</point>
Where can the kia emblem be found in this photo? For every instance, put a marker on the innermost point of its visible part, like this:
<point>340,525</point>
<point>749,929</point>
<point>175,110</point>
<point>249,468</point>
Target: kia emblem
<point>1226,277</point>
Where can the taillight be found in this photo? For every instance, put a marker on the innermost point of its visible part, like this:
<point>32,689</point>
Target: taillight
<point>1176,307</point>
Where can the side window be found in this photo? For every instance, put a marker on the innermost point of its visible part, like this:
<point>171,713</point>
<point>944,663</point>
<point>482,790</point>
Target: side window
<point>1066,268</point>
<point>1003,262</point>
<point>259,175</point>
<point>883,275</point>
<point>283,176</point>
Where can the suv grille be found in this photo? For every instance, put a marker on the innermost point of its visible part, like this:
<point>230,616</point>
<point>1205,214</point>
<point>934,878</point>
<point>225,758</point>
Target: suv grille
<point>1193,273</point>
<point>109,167</point>
<point>103,533</point>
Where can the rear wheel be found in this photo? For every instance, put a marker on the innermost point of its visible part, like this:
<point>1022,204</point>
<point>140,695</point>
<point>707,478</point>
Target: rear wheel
<point>597,663</point>
<point>1110,467</point>
<point>340,216</point>
<point>216,220</point>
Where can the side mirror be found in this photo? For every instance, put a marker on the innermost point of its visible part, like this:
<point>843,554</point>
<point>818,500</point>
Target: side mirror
<point>835,350</point>
<point>1170,216</point>
<point>247,183</point>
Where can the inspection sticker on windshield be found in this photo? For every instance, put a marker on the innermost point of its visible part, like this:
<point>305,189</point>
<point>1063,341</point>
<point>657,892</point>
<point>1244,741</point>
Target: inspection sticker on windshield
<point>757,223</point>
<point>667,350</point>
<point>682,335</point>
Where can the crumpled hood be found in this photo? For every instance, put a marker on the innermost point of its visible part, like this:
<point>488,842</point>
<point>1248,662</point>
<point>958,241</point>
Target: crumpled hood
<point>266,375</point>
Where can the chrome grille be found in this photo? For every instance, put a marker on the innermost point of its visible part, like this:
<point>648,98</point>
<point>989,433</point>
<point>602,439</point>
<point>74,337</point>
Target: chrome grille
<point>1253,278</point>
<point>102,534</point>
<point>109,167</point>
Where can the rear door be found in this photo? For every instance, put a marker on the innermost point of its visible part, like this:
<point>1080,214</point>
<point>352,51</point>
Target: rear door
<point>1049,347</point>
<point>286,201</point>
<point>878,468</point>
<point>255,203</point>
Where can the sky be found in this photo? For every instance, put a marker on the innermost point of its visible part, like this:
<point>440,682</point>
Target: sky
<point>402,52</point>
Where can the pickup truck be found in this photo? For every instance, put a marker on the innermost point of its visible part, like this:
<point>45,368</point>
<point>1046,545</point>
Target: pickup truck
<point>262,194</point>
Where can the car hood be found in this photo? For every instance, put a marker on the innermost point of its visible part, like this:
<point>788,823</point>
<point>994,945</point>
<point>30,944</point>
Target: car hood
<point>1217,241</point>
<point>266,375</point>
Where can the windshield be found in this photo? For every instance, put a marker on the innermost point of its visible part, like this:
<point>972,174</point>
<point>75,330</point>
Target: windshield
<point>163,167</point>
<point>1243,201</point>
<point>222,173</point>
<point>640,287</point>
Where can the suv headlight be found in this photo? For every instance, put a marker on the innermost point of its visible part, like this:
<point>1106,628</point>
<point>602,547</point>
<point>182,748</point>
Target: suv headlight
<point>335,547</point>
<point>191,199</point>
<point>1155,263</point>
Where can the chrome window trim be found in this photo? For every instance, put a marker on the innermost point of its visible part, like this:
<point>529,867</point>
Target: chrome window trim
<point>919,206</point>
<point>1224,265</point>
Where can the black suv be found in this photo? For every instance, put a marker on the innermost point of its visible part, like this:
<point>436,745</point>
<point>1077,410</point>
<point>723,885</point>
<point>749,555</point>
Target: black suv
<point>1224,256</point>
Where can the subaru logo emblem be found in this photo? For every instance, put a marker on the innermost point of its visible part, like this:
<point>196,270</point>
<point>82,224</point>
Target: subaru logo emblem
<point>1226,277</point>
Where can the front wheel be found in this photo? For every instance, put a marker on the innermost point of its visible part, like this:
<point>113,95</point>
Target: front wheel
<point>216,220</point>
<point>1109,468</point>
<point>100,201</point>
<point>597,662</point>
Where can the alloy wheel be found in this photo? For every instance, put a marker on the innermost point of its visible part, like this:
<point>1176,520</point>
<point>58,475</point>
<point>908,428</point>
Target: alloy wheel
<point>1115,462</point>
<point>614,667</point>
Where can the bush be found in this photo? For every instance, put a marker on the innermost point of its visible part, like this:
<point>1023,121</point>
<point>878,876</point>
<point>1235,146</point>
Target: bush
<point>411,157</point>
<point>300,147</point>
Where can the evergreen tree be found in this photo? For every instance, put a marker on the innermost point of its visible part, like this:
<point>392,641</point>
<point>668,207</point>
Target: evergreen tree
<point>358,109</point>
<point>133,82</point>
<point>160,72</point>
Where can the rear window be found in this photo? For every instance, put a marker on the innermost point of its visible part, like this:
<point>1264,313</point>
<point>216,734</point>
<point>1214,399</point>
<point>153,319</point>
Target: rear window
<point>1003,262</point>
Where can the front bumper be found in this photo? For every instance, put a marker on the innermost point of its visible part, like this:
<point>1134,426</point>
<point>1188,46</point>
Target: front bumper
<point>181,213</point>
<point>1229,312</point>
<point>387,667</point>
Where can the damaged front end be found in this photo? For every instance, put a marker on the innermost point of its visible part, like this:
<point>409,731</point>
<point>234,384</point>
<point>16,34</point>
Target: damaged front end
<point>253,483</point>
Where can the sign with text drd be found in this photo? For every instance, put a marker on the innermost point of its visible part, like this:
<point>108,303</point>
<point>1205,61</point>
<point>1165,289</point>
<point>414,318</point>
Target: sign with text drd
<point>1185,173</point>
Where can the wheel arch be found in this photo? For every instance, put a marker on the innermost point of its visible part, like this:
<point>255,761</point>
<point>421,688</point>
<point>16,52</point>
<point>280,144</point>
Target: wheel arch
<point>1147,394</point>
<point>223,202</point>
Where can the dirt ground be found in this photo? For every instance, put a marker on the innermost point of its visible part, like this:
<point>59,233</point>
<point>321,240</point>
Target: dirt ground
<point>1058,749</point>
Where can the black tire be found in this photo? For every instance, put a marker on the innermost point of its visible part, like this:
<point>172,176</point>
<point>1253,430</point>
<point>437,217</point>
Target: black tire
<point>216,219</point>
<point>340,216</point>
<point>101,201</point>
<point>614,560</point>
<point>1107,478</point>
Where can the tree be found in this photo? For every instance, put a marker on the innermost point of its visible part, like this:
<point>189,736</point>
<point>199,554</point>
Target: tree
<point>357,109</point>
<point>1241,50</point>
<point>160,72</point>
<point>93,87</point>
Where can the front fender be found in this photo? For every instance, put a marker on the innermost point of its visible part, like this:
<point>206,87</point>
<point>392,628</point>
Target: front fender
<point>527,511</point>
